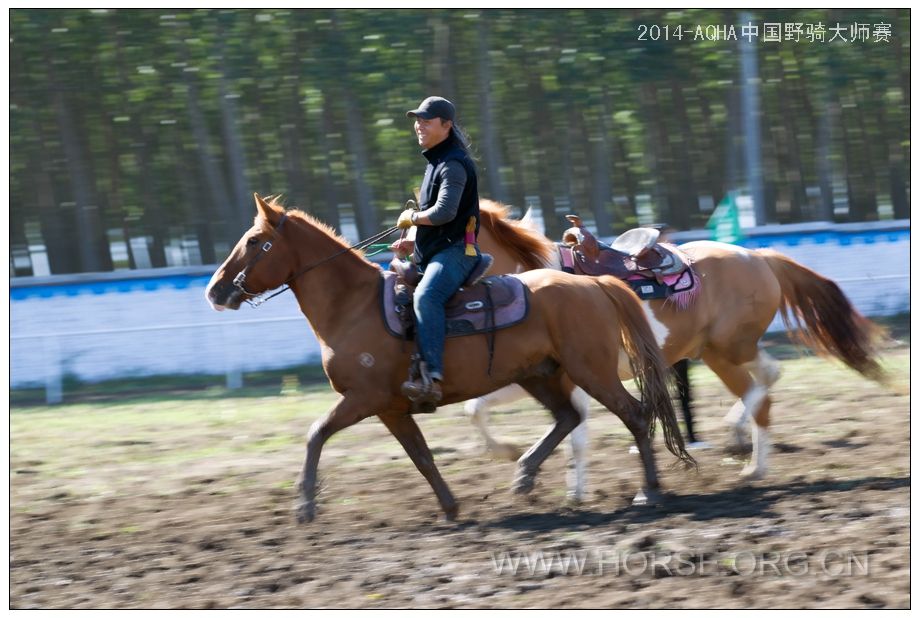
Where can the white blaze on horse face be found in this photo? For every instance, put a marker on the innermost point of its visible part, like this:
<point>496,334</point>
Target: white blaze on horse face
<point>207,290</point>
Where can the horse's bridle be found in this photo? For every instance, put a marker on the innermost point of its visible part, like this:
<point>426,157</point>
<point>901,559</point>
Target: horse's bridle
<point>240,279</point>
<point>255,299</point>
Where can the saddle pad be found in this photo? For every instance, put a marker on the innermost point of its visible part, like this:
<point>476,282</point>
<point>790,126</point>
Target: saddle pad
<point>680,289</point>
<point>468,310</point>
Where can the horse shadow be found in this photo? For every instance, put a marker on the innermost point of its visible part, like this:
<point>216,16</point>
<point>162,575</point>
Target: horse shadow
<point>739,502</point>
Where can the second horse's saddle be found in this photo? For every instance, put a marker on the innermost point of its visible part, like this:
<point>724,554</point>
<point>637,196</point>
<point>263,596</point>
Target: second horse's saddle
<point>633,253</point>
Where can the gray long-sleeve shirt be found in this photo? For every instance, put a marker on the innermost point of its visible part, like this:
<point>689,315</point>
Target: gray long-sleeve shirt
<point>453,179</point>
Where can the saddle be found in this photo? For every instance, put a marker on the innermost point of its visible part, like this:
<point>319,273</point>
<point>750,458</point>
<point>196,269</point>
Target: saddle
<point>486,305</point>
<point>652,269</point>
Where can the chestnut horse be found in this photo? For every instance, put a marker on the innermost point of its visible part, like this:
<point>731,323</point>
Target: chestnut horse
<point>545,354</point>
<point>741,290</point>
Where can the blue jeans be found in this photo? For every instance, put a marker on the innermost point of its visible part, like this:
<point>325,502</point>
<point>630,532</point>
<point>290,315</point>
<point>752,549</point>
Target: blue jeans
<point>442,277</point>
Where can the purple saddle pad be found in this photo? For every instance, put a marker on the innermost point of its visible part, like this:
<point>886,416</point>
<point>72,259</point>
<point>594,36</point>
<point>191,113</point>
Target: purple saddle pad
<point>494,303</point>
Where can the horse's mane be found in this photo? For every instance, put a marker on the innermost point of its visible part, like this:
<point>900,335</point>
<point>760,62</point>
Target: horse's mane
<point>530,248</point>
<point>295,213</point>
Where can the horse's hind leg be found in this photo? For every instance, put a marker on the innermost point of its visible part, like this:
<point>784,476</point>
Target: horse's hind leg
<point>755,402</point>
<point>554,393</point>
<point>576,478</point>
<point>479,409</point>
<point>405,429</point>
<point>614,396</point>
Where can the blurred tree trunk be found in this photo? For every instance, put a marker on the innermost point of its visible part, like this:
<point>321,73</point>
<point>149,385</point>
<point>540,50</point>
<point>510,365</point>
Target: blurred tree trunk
<point>899,203</point>
<point>365,216</point>
<point>656,157</point>
<point>195,208</point>
<point>542,125</point>
<point>330,192</point>
<point>824,165</point>
<point>686,197</point>
<point>518,164</point>
<point>622,162</point>
<point>866,180</point>
<point>152,218</point>
<point>794,178</point>
<point>233,142</point>
<point>116,203</point>
<point>440,74</point>
<point>263,173</point>
<point>93,245</point>
<point>853,207</point>
<point>227,213</point>
<point>715,150</point>
<point>56,224</point>
<point>19,246</point>
<point>597,152</point>
<point>295,140</point>
<point>492,156</point>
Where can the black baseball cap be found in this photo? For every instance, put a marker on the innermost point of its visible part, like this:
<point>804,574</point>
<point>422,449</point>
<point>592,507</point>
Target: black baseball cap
<point>434,107</point>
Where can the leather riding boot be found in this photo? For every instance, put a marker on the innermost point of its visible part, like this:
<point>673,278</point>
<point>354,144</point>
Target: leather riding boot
<point>419,392</point>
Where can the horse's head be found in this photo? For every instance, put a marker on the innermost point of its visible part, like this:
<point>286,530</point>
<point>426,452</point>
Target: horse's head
<point>260,261</point>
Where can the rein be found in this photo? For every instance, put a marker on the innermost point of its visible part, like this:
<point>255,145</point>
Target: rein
<point>256,299</point>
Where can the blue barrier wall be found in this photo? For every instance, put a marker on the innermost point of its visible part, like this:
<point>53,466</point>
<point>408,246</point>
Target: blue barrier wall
<point>98,327</point>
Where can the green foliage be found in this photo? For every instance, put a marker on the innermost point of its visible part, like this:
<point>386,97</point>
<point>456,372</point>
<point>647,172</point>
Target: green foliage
<point>176,114</point>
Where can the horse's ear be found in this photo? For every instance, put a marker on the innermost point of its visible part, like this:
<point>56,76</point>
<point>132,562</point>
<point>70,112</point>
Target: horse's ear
<point>268,212</point>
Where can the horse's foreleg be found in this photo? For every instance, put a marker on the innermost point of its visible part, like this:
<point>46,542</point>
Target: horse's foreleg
<point>479,409</point>
<point>345,413</point>
<point>404,428</point>
<point>554,394</point>
<point>576,479</point>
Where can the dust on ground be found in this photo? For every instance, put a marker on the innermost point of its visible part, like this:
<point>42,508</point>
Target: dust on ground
<point>829,527</point>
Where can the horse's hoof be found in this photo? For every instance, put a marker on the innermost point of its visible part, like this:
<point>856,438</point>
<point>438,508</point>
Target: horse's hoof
<point>306,512</point>
<point>648,497</point>
<point>751,472</point>
<point>523,483</point>
<point>573,499</point>
<point>739,448</point>
<point>451,513</point>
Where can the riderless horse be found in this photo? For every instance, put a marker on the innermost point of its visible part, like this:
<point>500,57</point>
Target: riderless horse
<point>730,297</point>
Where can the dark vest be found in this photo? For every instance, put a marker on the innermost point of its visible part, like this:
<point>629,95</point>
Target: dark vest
<point>429,239</point>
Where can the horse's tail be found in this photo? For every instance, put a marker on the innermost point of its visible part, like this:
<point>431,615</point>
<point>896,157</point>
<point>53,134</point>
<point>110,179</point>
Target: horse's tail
<point>817,312</point>
<point>528,246</point>
<point>649,369</point>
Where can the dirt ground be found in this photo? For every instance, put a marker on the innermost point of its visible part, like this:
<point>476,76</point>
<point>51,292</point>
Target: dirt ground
<point>829,527</point>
